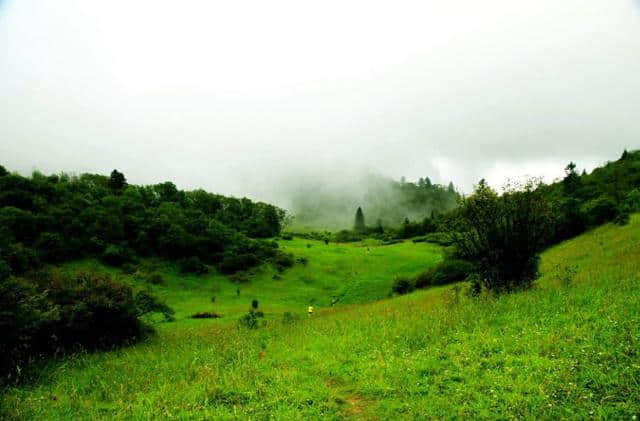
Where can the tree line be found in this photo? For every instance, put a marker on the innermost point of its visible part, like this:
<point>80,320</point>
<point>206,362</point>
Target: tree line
<point>55,218</point>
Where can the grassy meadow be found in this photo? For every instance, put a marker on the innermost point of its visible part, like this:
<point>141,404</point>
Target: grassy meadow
<point>568,348</point>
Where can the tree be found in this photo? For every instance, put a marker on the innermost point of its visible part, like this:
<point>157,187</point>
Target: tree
<point>571,181</point>
<point>451,188</point>
<point>117,181</point>
<point>624,156</point>
<point>359,224</point>
<point>3,171</point>
<point>503,235</point>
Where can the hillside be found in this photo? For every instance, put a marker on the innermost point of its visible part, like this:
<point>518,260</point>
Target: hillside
<point>565,349</point>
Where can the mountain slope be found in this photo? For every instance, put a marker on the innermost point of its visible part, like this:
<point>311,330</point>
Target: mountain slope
<point>566,349</point>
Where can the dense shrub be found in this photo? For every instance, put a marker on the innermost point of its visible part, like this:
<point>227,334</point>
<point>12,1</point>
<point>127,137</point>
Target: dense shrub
<point>236,263</point>
<point>403,285</point>
<point>503,235</point>
<point>205,315</point>
<point>283,260</point>
<point>447,272</point>
<point>115,255</point>
<point>193,265</point>
<point>20,258</point>
<point>601,210</point>
<point>441,238</point>
<point>25,314</point>
<point>50,313</point>
<point>155,278</point>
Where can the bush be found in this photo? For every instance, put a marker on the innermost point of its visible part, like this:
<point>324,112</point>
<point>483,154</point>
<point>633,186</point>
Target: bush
<point>20,259</point>
<point>249,320</point>
<point>447,272</point>
<point>155,279</point>
<point>52,248</point>
<point>402,285</point>
<point>601,211</point>
<point>283,260</point>
<point>206,315</point>
<point>24,315</point>
<point>193,265</point>
<point>239,278</point>
<point>440,238</point>
<point>503,235</point>
<point>50,313</point>
<point>237,263</point>
<point>115,255</point>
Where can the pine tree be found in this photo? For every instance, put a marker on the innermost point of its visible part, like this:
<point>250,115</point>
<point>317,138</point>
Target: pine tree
<point>359,224</point>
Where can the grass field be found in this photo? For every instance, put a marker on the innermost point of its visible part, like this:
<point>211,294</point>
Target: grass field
<point>569,348</point>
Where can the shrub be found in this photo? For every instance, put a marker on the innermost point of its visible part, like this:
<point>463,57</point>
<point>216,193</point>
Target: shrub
<point>239,278</point>
<point>50,313</point>
<point>193,265</point>
<point>52,248</point>
<point>20,258</point>
<point>402,285</point>
<point>303,260</point>
<point>601,211</point>
<point>283,260</point>
<point>440,238</point>
<point>115,255</point>
<point>254,304</point>
<point>447,272</point>
<point>24,315</point>
<point>205,315</point>
<point>155,279</point>
<point>240,262</point>
<point>503,235</point>
<point>249,320</point>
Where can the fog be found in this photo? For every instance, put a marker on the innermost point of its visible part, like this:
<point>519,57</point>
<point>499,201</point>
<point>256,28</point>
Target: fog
<point>253,98</point>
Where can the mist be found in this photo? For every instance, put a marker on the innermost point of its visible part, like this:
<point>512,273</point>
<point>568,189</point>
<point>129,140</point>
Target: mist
<point>262,99</point>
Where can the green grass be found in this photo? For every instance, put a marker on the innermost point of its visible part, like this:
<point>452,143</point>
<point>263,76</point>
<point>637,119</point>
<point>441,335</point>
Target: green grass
<point>348,273</point>
<point>566,349</point>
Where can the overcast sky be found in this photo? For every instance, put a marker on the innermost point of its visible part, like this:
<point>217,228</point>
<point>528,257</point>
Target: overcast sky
<point>236,95</point>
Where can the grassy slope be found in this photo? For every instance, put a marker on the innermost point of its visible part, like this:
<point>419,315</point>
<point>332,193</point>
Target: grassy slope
<point>558,350</point>
<point>350,273</point>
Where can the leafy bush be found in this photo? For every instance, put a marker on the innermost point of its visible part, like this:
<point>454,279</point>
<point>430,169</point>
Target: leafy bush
<point>50,313</point>
<point>346,236</point>
<point>205,315</point>
<point>239,278</point>
<point>283,260</point>
<point>601,210</point>
<point>442,238</point>
<point>503,235</point>
<point>447,272</point>
<point>24,314</point>
<point>193,265</point>
<point>20,259</point>
<point>156,278</point>
<point>115,255</point>
<point>249,320</point>
<point>403,285</point>
<point>236,263</point>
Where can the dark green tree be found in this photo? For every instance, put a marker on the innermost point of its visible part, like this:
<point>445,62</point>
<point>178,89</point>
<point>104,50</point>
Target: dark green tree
<point>3,171</point>
<point>571,181</point>
<point>117,180</point>
<point>359,223</point>
<point>502,236</point>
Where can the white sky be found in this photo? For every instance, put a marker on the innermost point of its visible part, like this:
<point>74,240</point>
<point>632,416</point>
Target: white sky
<point>235,96</point>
